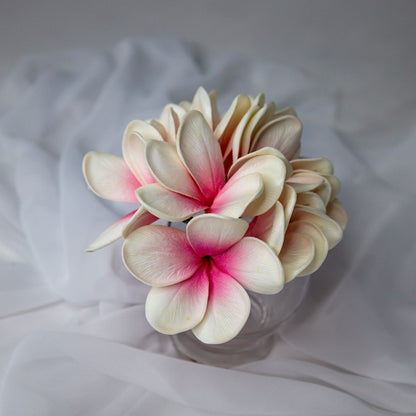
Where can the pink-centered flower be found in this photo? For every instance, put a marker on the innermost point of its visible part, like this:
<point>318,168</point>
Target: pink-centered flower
<point>117,179</point>
<point>191,177</point>
<point>199,277</point>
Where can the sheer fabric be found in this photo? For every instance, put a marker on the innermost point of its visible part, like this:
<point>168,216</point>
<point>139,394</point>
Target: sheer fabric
<point>73,335</point>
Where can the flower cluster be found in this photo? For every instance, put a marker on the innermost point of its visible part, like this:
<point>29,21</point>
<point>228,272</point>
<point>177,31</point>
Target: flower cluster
<point>257,214</point>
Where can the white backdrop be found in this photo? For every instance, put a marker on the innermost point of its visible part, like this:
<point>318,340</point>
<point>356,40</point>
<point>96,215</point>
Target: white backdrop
<point>73,337</point>
<point>84,344</point>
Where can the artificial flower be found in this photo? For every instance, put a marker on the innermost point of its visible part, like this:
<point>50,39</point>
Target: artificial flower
<point>200,276</point>
<point>112,177</point>
<point>191,177</point>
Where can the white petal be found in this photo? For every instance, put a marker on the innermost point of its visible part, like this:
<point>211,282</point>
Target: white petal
<point>318,165</point>
<point>304,180</point>
<point>201,154</point>
<point>179,307</point>
<point>270,227</point>
<point>288,111</point>
<point>168,205</point>
<point>237,195</point>
<point>324,191</point>
<point>160,128</point>
<point>203,103</point>
<point>227,311</point>
<point>133,153</point>
<point>144,129</point>
<point>210,234</point>
<point>330,228</point>
<point>297,253</point>
<point>261,152</point>
<point>167,168</point>
<point>111,234</point>
<point>139,219</point>
<point>167,113</point>
<point>259,119</point>
<point>310,200</point>
<point>288,200</point>
<point>254,265</point>
<point>259,100</point>
<point>319,240</point>
<point>239,131</point>
<point>230,120</point>
<point>336,211</point>
<point>109,177</point>
<point>214,107</point>
<point>273,172</point>
<point>159,255</point>
<point>186,105</point>
<point>172,125</point>
<point>335,186</point>
<point>283,134</point>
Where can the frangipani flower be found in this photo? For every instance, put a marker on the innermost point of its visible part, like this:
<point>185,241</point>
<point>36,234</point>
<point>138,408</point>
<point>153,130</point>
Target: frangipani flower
<point>199,277</point>
<point>176,185</point>
<point>166,127</point>
<point>251,124</point>
<point>111,177</point>
<point>244,164</point>
<point>307,221</point>
<point>191,176</point>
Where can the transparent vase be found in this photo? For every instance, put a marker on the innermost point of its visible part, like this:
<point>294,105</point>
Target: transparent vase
<point>256,339</point>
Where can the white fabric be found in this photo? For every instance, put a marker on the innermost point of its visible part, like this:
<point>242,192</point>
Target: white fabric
<point>83,345</point>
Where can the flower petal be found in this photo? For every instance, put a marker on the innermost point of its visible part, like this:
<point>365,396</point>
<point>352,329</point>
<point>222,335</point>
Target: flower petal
<point>288,111</point>
<point>168,205</point>
<point>319,240</point>
<point>111,234</point>
<point>179,307</point>
<point>283,134</point>
<point>318,165</point>
<point>214,107</point>
<point>144,129</point>
<point>237,195</point>
<point>304,180</point>
<point>270,227</point>
<point>201,154</point>
<point>239,131</point>
<point>335,186</point>
<point>139,219</point>
<point>261,117</point>
<point>210,234</point>
<point>109,177</point>
<point>166,167</point>
<point>159,255</point>
<point>261,152</point>
<point>254,265</point>
<point>133,153</point>
<point>202,102</point>
<point>330,228</point>
<point>310,200</point>
<point>273,172</point>
<point>227,311</point>
<point>160,128</point>
<point>230,120</point>
<point>170,119</point>
<point>336,211</point>
<point>324,191</point>
<point>288,200</point>
<point>166,117</point>
<point>297,253</point>
<point>259,100</point>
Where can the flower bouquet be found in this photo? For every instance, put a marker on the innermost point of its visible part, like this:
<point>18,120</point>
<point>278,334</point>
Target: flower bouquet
<point>243,212</point>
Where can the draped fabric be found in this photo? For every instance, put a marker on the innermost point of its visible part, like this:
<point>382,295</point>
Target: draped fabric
<point>73,336</point>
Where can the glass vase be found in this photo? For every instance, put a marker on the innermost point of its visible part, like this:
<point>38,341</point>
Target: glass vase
<point>256,339</point>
